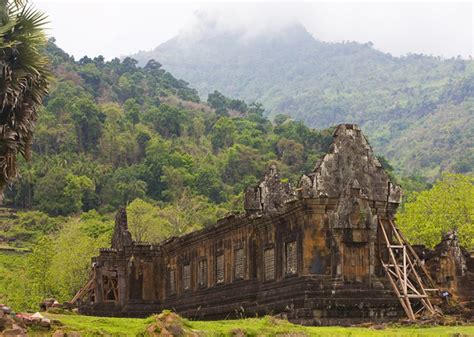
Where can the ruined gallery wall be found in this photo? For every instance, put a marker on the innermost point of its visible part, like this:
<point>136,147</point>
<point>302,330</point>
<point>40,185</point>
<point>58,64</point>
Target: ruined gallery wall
<point>175,268</point>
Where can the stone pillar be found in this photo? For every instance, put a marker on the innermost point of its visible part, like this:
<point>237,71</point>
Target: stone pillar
<point>122,285</point>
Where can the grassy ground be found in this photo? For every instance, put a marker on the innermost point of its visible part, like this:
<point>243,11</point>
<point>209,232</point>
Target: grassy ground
<point>95,326</point>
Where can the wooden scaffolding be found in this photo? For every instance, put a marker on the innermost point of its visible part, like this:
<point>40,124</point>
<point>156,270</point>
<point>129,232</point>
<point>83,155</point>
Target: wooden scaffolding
<point>408,276</point>
<point>85,294</point>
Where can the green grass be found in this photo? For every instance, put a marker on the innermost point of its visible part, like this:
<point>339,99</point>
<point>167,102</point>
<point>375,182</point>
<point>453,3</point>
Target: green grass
<point>96,326</point>
<point>267,326</point>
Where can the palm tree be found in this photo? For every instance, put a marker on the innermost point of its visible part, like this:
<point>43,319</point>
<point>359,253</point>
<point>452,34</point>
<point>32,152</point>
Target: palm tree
<point>24,76</point>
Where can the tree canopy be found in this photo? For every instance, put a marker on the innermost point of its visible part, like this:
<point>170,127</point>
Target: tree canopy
<point>447,206</point>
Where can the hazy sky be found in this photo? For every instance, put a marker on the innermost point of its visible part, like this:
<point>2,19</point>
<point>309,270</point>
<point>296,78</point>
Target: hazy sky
<point>116,28</point>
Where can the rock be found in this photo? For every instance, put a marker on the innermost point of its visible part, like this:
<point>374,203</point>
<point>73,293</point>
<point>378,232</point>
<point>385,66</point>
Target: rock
<point>5,309</point>
<point>5,322</point>
<point>37,315</point>
<point>175,329</point>
<point>59,333</point>
<point>47,303</point>
<point>15,330</point>
<point>45,322</point>
<point>19,321</point>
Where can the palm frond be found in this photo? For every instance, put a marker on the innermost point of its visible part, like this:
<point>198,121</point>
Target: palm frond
<point>23,83</point>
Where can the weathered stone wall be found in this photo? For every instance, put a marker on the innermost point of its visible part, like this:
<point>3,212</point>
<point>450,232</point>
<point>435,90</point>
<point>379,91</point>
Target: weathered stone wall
<point>452,268</point>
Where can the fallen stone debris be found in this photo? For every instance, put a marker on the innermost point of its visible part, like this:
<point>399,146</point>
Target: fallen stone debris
<point>16,324</point>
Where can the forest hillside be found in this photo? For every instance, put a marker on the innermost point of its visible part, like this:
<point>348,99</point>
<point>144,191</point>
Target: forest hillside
<point>417,109</point>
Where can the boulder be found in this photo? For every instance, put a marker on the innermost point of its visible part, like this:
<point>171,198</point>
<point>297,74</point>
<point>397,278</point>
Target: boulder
<point>5,322</point>
<point>37,315</point>
<point>45,323</point>
<point>15,330</point>
<point>5,309</point>
<point>59,333</point>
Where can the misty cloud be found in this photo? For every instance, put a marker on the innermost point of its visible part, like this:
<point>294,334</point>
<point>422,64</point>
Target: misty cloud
<point>121,28</point>
<point>250,20</point>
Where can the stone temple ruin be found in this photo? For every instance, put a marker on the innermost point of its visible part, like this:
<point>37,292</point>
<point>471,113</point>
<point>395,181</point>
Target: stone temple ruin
<point>327,252</point>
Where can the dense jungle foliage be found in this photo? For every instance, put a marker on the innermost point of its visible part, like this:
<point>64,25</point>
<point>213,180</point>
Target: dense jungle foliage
<point>114,133</point>
<point>111,132</point>
<point>417,109</point>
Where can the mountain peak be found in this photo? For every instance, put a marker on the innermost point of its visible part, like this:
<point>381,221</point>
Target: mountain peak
<point>208,29</point>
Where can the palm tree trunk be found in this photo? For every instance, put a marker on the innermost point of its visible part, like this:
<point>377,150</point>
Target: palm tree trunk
<point>3,12</point>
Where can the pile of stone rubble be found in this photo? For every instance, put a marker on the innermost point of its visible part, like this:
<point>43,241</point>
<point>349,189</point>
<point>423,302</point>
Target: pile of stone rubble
<point>16,324</point>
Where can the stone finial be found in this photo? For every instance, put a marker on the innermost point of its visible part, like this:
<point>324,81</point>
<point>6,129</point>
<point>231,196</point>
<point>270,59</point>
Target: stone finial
<point>270,193</point>
<point>121,236</point>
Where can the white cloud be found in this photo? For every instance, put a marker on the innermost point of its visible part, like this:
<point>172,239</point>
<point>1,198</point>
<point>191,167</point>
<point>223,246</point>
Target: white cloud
<point>115,28</point>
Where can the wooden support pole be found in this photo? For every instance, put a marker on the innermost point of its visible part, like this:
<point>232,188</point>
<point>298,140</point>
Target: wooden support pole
<point>402,272</point>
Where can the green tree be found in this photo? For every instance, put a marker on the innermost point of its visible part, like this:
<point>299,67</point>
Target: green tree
<point>62,192</point>
<point>219,102</point>
<point>70,264</point>
<point>88,120</point>
<point>23,83</point>
<point>166,119</point>
<point>223,133</point>
<point>75,190</point>
<point>124,185</point>
<point>208,182</point>
<point>132,110</point>
<point>117,143</point>
<point>145,223</point>
<point>448,205</point>
<point>38,262</point>
<point>290,152</point>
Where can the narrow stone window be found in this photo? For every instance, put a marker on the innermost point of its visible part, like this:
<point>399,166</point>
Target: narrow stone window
<point>220,268</point>
<point>269,264</point>
<point>187,277</point>
<point>172,281</point>
<point>239,264</point>
<point>202,273</point>
<point>291,258</point>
